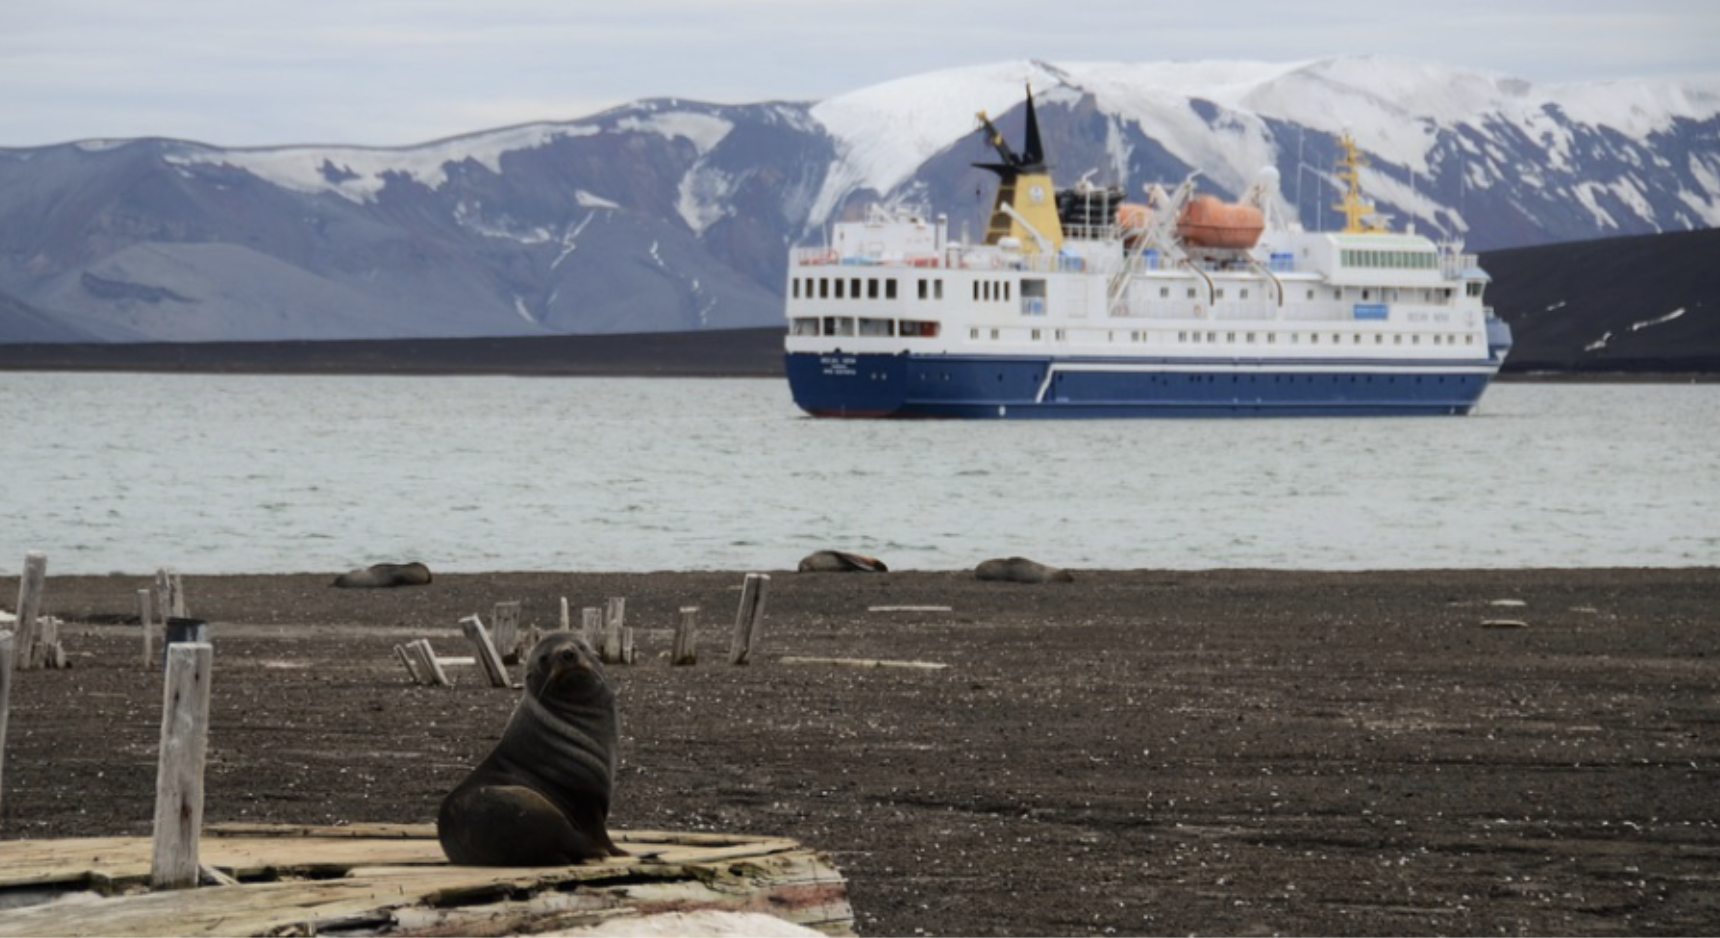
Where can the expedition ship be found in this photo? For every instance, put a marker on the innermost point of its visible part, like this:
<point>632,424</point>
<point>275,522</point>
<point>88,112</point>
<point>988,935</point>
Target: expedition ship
<point>1078,303</point>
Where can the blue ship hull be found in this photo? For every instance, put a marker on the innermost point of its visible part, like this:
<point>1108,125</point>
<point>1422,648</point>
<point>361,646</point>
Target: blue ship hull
<point>840,384</point>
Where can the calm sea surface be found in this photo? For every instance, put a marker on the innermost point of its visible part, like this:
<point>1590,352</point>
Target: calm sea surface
<point>262,474</point>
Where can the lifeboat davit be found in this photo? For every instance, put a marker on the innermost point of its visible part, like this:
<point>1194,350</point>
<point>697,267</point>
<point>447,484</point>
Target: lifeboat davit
<point>1210,222</point>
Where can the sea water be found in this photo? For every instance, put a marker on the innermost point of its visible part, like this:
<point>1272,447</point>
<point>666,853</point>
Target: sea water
<point>271,474</point>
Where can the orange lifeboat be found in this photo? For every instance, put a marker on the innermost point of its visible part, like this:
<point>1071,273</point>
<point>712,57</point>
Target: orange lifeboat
<point>1210,222</point>
<point>1133,218</point>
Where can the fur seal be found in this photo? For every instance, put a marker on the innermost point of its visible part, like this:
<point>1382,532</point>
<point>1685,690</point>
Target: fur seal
<point>541,797</point>
<point>836,561</point>
<point>1021,570</point>
<point>385,574</point>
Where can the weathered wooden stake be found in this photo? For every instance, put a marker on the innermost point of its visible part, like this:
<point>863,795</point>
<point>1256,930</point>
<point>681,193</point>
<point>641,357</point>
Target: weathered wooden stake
<point>146,617</point>
<point>411,662</point>
<point>30,587</point>
<point>428,663</point>
<point>506,626</point>
<point>686,651</point>
<point>487,654</point>
<point>566,620</point>
<point>591,626</point>
<point>179,780</point>
<point>7,646</point>
<point>614,648</point>
<point>749,620</point>
<point>169,595</point>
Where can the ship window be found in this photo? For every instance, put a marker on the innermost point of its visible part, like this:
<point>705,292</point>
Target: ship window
<point>1378,339</point>
<point>994,333</point>
<point>1271,338</point>
<point>1397,340</point>
<point>925,289</point>
<point>1061,335</point>
<point>1220,294</point>
<point>1212,337</point>
<point>1195,338</point>
<point>937,289</point>
<point>1415,340</point>
<point>1245,293</point>
<point>1251,337</point>
<point>973,333</point>
<point>823,288</point>
<point>1191,293</point>
<point>838,325</point>
<point>1033,297</point>
<point>1356,339</point>
<point>1474,289</point>
<point>976,291</point>
<point>1295,338</point>
<point>1182,336</point>
<point>1035,335</point>
<point>872,289</point>
<point>1164,293</point>
<point>1314,339</point>
<point>854,288</point>
<point>1006,291</point>
<point>1230,337</point>
<point>1310,294</point>
<point>805,325</point>
<point>1337,293</point>
<point>795,287</point>
<point>877,327</point>
<point>1468,340</point>
<point>889,289</point>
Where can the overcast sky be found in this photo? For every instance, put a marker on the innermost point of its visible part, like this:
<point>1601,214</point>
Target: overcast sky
<point>396,72</point>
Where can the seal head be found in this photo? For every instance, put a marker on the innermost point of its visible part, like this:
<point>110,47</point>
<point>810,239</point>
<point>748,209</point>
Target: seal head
<point>541,797</point>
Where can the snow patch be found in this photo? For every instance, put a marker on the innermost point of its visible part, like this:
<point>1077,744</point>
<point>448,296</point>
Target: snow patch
<point>587,200</point>
<point>703,131</point>
<point>1646,323</point>
<point>359,173</point>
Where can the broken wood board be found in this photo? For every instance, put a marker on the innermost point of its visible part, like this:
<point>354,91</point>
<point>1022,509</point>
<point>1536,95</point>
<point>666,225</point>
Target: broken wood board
<point>385,879</point>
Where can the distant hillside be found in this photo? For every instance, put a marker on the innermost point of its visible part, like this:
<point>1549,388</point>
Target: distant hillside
<point>1640,305</point>
<point>1618,305</point>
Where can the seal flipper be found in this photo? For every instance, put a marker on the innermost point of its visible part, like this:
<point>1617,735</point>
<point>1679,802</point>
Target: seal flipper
<point>511,825</point>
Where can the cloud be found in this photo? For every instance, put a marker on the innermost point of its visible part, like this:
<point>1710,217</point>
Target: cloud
<point>393,72</point>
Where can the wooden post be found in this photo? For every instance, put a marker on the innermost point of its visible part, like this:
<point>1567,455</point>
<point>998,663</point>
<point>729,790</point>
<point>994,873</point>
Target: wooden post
<point>179,780</point>
<point>506,626</point>
<point>427,661</point>
<point>487,654</point>
<point>411,662</point>
<point>591,624</point>
<point>566,621</point>
<point>614,649</point>
<point>27,655</point>
<point>7,645</point>
<point>169,595</point>
<point>146,618</point>
<point>686,640</point>
<point>748,621</point>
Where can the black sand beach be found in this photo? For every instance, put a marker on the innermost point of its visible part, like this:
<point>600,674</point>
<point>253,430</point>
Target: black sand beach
<point>1136,752</point>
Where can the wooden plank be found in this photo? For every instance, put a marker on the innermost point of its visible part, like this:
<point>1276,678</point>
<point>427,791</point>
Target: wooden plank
<point>908,608</point>
<point>614,622</point>
<point>146,618</point>
<point>395,879</point>
<point>864,663</point>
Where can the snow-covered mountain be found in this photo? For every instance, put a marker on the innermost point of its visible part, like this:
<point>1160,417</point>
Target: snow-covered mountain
<point>676,215</point>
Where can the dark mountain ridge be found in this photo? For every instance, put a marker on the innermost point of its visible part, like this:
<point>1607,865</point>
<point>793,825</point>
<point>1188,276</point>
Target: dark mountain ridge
<point>1616,306</point>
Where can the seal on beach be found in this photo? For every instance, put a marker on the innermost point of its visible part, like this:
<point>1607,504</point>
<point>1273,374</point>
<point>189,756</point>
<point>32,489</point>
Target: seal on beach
<point>836,561</point>
<point>541,797</point>
<point>1021,570</point>
<point>379,575</point>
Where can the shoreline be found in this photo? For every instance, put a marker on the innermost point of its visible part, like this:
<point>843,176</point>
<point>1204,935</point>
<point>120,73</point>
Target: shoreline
<point>727,353</point>
<point>1136,751</point>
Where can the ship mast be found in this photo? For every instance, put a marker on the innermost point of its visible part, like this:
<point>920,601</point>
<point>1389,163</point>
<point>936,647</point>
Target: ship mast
<point>1359,214</point>
<point>1025,207</point>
